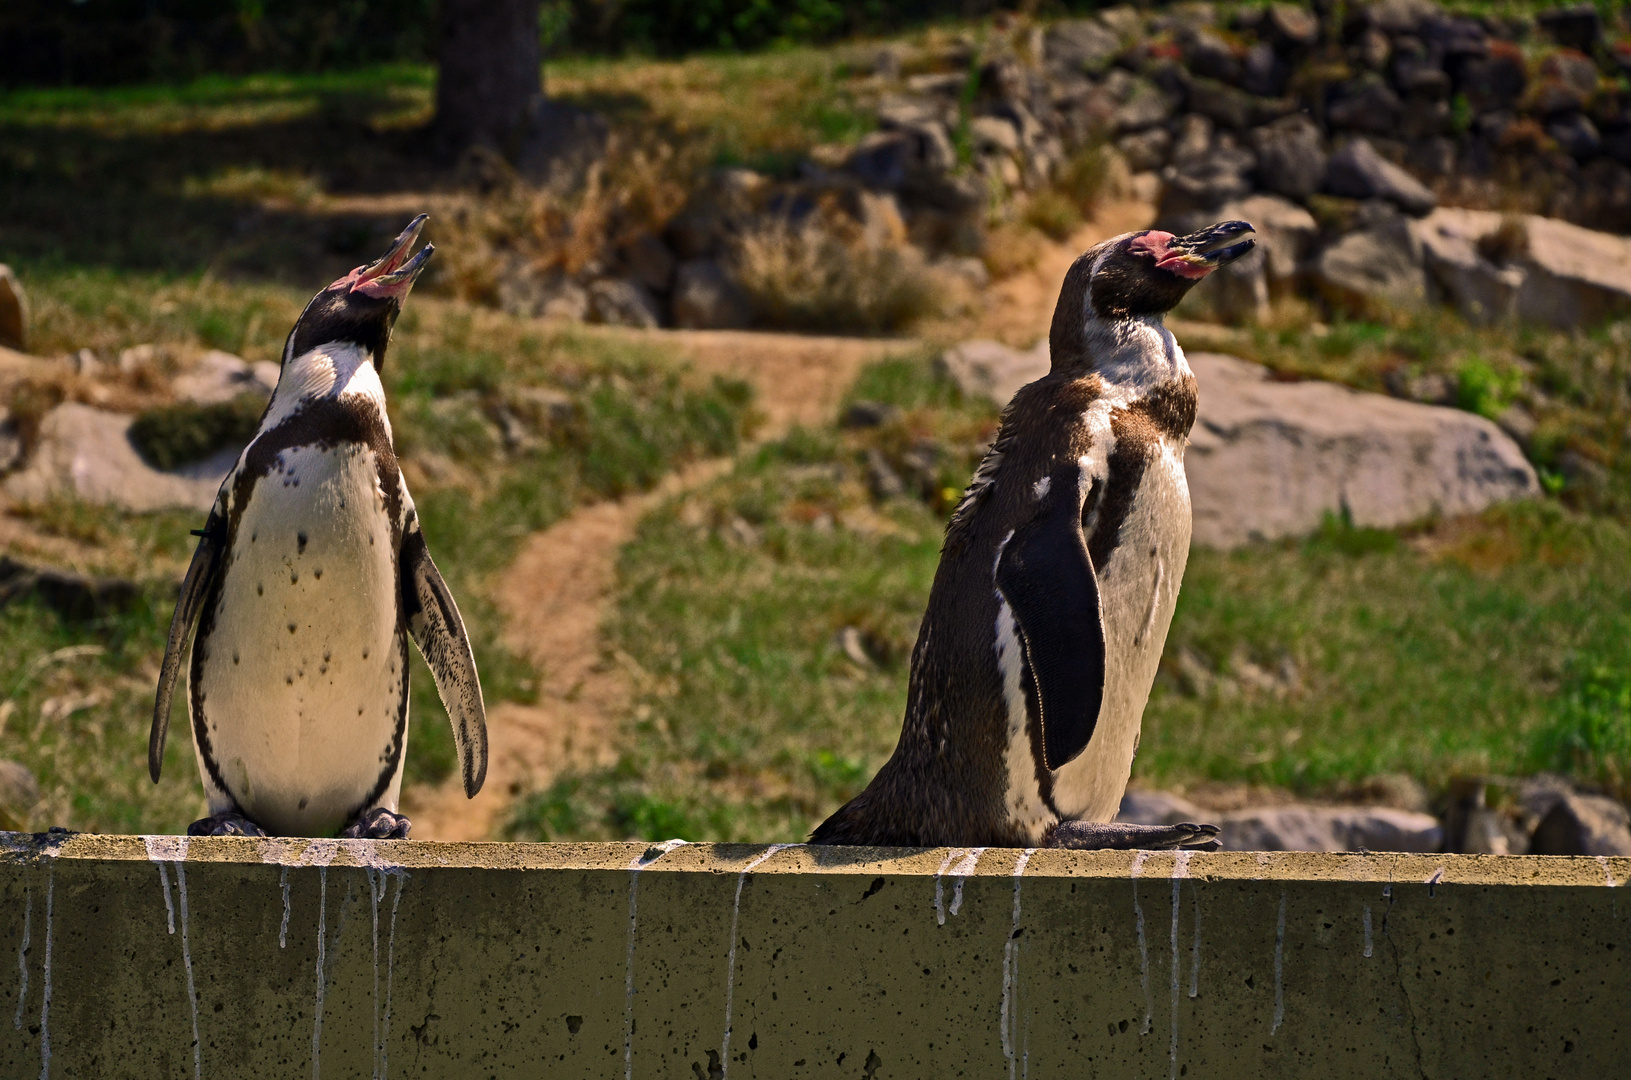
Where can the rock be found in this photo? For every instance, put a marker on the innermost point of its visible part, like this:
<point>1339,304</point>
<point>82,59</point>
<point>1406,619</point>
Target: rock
<point>1576,134</point>
<point>1290,26</point>
<point>87,453</point>
<point>219,376</point>
<point>1285,234</point>
<point>621,302</point>
<point>1241,292</point>
<point>648,261</point>
<point>1577,26</point>
<point>1398,790</point>
<point>1145,150</point>
<point>886,64</point>
<point>549,296</point>
<point>1527,267</point>
<point>1568,81</point>
<point>1081,44</point>
<point>1365,104</point>
<point>1400,16</point>
<point>71,594</point>
<point>909,110</point>
<point>1263,73</point>
<point>1211,56</point>
<point>992,370</point>
<point>1140,807</point>
<point>1374,268</point>
<point>1291,158</point>
<point>19,791</point>
<point>869,414</point>
<point>707,298</point>
<point>965,269</point>
<point>1145,107</point>
<point>1208,180</point>
<point>1270,459</point>
<point>1496,80</point>
<point>1320,828</point>
<point>13,311</point>
<point>84,363</point>
<point>1357,171</point>
<point>991,134</point>
<point>883,481</point>
<point>1583,825</point>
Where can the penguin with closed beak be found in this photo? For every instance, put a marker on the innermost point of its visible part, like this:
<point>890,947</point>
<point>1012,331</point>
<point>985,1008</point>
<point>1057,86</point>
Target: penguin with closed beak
<point>310,575</point>
<point>1057,582</point>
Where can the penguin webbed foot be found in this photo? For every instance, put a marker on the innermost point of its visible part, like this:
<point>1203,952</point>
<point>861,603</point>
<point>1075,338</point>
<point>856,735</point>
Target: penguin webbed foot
<point>1121,836</point>
<point>377,824</point>
<point>230,823</point>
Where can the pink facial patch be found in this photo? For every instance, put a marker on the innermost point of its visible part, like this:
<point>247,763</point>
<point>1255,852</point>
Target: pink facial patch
<point>1156,245</point>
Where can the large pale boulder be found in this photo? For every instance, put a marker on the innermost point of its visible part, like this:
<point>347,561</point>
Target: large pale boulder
<point>1270,459</point>
<point>86,453</point>
<point>1497,267</point>
<point>1329,828</point>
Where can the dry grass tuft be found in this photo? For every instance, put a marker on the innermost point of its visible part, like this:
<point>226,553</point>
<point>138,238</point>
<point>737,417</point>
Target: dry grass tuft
<point>813,277</point>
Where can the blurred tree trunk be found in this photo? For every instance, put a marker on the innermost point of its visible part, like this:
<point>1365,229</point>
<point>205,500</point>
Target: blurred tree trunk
<point>488,87</point>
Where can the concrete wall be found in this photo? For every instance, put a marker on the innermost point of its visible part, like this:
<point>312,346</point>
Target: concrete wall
<point>348,959</point>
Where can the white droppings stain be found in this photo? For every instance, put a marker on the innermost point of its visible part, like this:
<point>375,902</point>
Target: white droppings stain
<point>1195,947</point>
<point>1433,879</point>
<point>940,887</point>
<point>1010,969</point>
<point>1368,948</point>
<point>1180,870</point>
<point>640,862</point>
<point>730,970</point>
<point>283,928</point>
<point>961,872</point>
<point>22,958</point>
<point>187,962</point>
<point>376,892</point>
<point>1279,967</point>
<point>1143,946</point>
<point>322,980</point>
<point>45,989</point>
<point>390,971</point>
<point>1608,871</point>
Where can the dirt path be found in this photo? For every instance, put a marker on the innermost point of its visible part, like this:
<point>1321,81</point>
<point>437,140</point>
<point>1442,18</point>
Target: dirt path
<point>554,597</point>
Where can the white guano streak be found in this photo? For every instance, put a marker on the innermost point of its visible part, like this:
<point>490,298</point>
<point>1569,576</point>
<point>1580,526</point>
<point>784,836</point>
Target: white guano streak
<point>961,872</point>
<point>730,968</point>
<point>22,958</point>
<point>1010,970</point>
<point>1279,967</point>
<point>1368,949</point>
<point>1180,871</point>
<point>640,862</point>
<point>45,989</point>
<point>1143,946</point>
<point>940,886</point>
<point>163,851</point>
<point>322,980</point>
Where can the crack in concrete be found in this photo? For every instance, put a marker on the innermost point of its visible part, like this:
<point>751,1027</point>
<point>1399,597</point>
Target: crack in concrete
<point>1398,976</point>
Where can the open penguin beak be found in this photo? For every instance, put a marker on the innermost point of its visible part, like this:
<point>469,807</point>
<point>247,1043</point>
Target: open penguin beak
<point>1211,247</point>
<point>393,274</point>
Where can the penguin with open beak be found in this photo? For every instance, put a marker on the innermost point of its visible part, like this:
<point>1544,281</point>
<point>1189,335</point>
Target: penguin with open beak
<point>309,578</point>
<point>1057,582</point>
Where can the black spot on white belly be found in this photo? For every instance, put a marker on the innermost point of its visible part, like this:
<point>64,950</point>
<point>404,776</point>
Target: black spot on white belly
<point>300,543</point>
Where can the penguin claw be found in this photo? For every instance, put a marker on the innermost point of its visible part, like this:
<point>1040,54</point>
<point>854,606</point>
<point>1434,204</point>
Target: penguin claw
<point>1121,836</point>
<point>378,824</point>
<point>228,824</point>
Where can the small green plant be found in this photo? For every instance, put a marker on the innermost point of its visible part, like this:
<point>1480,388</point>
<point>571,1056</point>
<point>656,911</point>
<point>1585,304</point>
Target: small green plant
<point>1483,389</point>
<point>1053,214</point>
<point>1589,734</point>
<point>174,435</point>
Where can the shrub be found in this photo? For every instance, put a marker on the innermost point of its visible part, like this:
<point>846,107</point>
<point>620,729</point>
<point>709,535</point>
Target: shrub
<point>808,278</point>
<point>173,435</point>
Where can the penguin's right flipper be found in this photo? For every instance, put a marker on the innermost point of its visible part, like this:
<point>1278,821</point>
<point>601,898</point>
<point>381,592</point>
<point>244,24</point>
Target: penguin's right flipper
<point>433,620</point>
<point>194,587</point>
<point>1045,575</point>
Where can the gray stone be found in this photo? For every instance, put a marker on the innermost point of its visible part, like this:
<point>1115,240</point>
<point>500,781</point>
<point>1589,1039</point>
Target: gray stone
<point>1291,25</point>
<point>13,311</point>
<point>1143,807</point>
<point>1329,828</point>
<point>1145,106</point>
<point>992,134</point>
<point>1575,26</point>
<point>1583,825</point>
<point>1357,171</point>
<point>869,414</point>
<point>620,302</point>
<point>992,370</point>
<point>707,298</point>
<point>1270,459</point>
<point>1291,156</point>
<point>1497,267</point>
<point>1365,104</point>
<point>1241,292</point>
<point>1374,269</point>
<point>86,453</point>
<point>1081,44</point>
<point>1576,134</point>
<point>648,261</point>
<point>219,376</point>
<point>1145,150</point>
<point>910,110</point>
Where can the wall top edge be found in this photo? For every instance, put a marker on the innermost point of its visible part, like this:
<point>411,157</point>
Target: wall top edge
<point>679,857</point>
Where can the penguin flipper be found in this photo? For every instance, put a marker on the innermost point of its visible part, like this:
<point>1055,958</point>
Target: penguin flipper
<point>1047,578</point>
<point>433,620</point>
<point>194,587</point>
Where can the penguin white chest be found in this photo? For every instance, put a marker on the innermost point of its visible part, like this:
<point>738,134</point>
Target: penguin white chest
<point>303,677</point>
<point>1138,591</point>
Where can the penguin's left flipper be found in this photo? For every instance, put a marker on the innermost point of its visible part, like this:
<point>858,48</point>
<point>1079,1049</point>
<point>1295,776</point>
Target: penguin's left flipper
<point>1120,836</point>
<point>194,587</point>
<point>433,620</point>
<point>1047,578</point>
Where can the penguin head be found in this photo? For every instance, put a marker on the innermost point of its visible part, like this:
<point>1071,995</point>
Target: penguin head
<point>1147,273</point>
<point>361,308</point>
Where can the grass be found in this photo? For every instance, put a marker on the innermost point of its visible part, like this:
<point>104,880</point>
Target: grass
<point>1491,645</point>
<point>502,427</point>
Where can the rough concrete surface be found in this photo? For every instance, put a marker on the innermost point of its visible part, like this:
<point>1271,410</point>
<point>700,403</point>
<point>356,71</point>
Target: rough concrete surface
<point>235,957</point>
